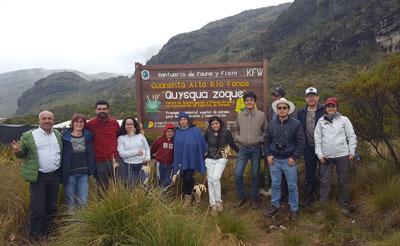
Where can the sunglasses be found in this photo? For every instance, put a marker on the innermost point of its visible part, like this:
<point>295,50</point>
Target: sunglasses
<point>282,108</point>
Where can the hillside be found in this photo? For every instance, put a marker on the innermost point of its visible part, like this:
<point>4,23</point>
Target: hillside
<point>14,83</point>
<point>66,93</point>
<point>229,39</point>
<point>311,42</point>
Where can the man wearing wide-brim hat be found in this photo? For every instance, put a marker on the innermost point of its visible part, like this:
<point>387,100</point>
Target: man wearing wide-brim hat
<point>283,145</point>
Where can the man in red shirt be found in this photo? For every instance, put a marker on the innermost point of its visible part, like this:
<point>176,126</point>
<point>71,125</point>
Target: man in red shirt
<point>105,130</point>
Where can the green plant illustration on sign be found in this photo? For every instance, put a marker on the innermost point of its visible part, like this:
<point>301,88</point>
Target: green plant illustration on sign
<point>153,105</point>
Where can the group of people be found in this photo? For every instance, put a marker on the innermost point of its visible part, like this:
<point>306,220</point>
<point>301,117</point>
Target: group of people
<point>100,147</point>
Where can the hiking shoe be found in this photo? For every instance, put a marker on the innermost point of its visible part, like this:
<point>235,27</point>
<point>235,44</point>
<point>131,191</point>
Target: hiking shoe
<point>187,200</point>
<point>240,203</point>
<point>345,211</point>
<point>220,208</point>
<point>214,210</point>
<point>272,211</point>
<point>293,215</point>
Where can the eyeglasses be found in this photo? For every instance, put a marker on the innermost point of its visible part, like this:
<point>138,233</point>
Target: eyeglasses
<point>282,108</point>
<point>330,106</point>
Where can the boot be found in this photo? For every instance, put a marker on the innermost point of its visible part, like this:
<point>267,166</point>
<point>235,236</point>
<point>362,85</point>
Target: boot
<point>187,200</point>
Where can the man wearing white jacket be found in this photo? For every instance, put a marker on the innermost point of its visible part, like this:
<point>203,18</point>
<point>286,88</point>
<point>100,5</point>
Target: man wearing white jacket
<point>335,144</point>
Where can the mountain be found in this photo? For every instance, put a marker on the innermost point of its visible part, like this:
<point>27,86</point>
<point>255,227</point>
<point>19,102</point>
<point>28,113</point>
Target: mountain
<point>14,83</point>
<point>309,42</point>
<point>229,39</point>
<point>66,93</point>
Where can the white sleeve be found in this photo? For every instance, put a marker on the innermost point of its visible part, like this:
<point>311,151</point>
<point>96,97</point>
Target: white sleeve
<point>318,140</point>
<point>147,156</point>
<point>123,153</point>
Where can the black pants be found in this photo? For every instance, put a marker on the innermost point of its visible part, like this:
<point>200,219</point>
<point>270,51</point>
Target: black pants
<point>188,181</point>
<point>43,205</point>
<point>311,163</point>
<point>105,172</point>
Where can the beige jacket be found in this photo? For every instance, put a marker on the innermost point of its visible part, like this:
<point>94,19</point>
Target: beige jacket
<point>251,127</point>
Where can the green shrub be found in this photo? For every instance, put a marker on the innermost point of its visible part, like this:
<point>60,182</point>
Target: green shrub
<point>239,226</point>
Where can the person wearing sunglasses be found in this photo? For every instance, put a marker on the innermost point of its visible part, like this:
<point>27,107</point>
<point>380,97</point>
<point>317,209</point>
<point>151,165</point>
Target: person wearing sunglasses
<point>283,145</point>
<point>335,145</point>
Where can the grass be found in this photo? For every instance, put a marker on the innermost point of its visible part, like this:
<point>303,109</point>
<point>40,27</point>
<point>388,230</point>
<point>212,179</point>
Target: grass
<point>125,217</point>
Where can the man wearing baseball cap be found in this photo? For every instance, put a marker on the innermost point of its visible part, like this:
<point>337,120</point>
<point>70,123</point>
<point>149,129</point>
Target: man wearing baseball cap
<point>283,145</point>
<point>308,117</point>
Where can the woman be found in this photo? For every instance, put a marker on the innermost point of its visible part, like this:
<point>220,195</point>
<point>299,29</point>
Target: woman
<point>77,162</point>
<point>217,137</point>
<point>335,144</point>
<point>189,150</point>
<point>134,151</point>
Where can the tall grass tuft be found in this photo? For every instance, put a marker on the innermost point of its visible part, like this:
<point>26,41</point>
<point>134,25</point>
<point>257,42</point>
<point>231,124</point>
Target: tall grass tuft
<point>386,195</point>
<point>242,228</point>
<point>391,240</point>
<point>14,198</point>
<point>109,218</point>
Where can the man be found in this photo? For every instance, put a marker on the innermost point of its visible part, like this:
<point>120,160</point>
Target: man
<point>277,94</point>
<point>251,124</point>
<point>308,117</point>
<point>283,145</point>
<point>41,150</point>
<point>105,130</point>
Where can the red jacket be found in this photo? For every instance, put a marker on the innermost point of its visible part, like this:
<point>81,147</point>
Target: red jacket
<point>163,148</point>
<point>105,138</point>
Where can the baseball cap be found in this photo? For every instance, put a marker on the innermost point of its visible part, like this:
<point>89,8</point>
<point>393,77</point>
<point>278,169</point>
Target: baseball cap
<point>312,90</point>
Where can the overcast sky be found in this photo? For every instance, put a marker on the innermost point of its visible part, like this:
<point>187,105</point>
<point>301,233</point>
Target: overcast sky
<point>101,36</point>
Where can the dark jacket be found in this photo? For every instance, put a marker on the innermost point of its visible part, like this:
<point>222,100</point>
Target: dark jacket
<point>302,117</point>
<point>67,154</point>
<point>216,142</point>
<point>284,140</point>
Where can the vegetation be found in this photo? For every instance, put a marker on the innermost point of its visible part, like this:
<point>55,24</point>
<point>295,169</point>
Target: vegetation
<point>373,99</point>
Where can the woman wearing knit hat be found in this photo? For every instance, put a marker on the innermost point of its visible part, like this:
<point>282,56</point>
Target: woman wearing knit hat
<point>189,152</point>
<point>335,145</point>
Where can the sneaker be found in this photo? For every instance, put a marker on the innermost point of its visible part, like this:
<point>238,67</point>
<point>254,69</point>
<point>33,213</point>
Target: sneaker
<point>187,200</point>
<point>214,210</point>
<point>240,203</point>
<point>272,211</point>
<point>220,207</point>
<point>345,211</point>
<point>293,215</point>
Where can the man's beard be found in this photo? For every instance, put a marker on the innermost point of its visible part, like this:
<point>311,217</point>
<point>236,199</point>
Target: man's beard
<point>103,115</point>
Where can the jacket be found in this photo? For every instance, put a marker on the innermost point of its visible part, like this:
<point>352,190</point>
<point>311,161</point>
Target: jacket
<point>216,142</point>
<point>163,149</point>
<point>284,139</point>
<point>334,139</point>
<point>251,126</point>
<point>189,150</point>
<point>67,154</point>
<point>302,117</point>
<point>30,165</point>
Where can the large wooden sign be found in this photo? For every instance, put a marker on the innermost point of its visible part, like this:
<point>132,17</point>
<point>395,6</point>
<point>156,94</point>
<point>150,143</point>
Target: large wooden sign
<point>203,90</point>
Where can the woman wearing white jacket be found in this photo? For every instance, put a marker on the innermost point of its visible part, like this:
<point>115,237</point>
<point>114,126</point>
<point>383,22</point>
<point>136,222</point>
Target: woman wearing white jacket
<point>335,144</point>
<point>134,150</point>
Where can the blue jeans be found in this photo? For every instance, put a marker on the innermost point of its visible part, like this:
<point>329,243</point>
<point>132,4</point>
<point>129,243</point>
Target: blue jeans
<point>290,172</point>
<point>134,174</point>
<point>254,154</point>
<point>76,191</point>
<point>164,172</point>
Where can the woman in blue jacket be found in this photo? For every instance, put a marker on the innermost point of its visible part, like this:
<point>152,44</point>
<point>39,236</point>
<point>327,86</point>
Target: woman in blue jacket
<point>189,154</point>
<point>77,162</point>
